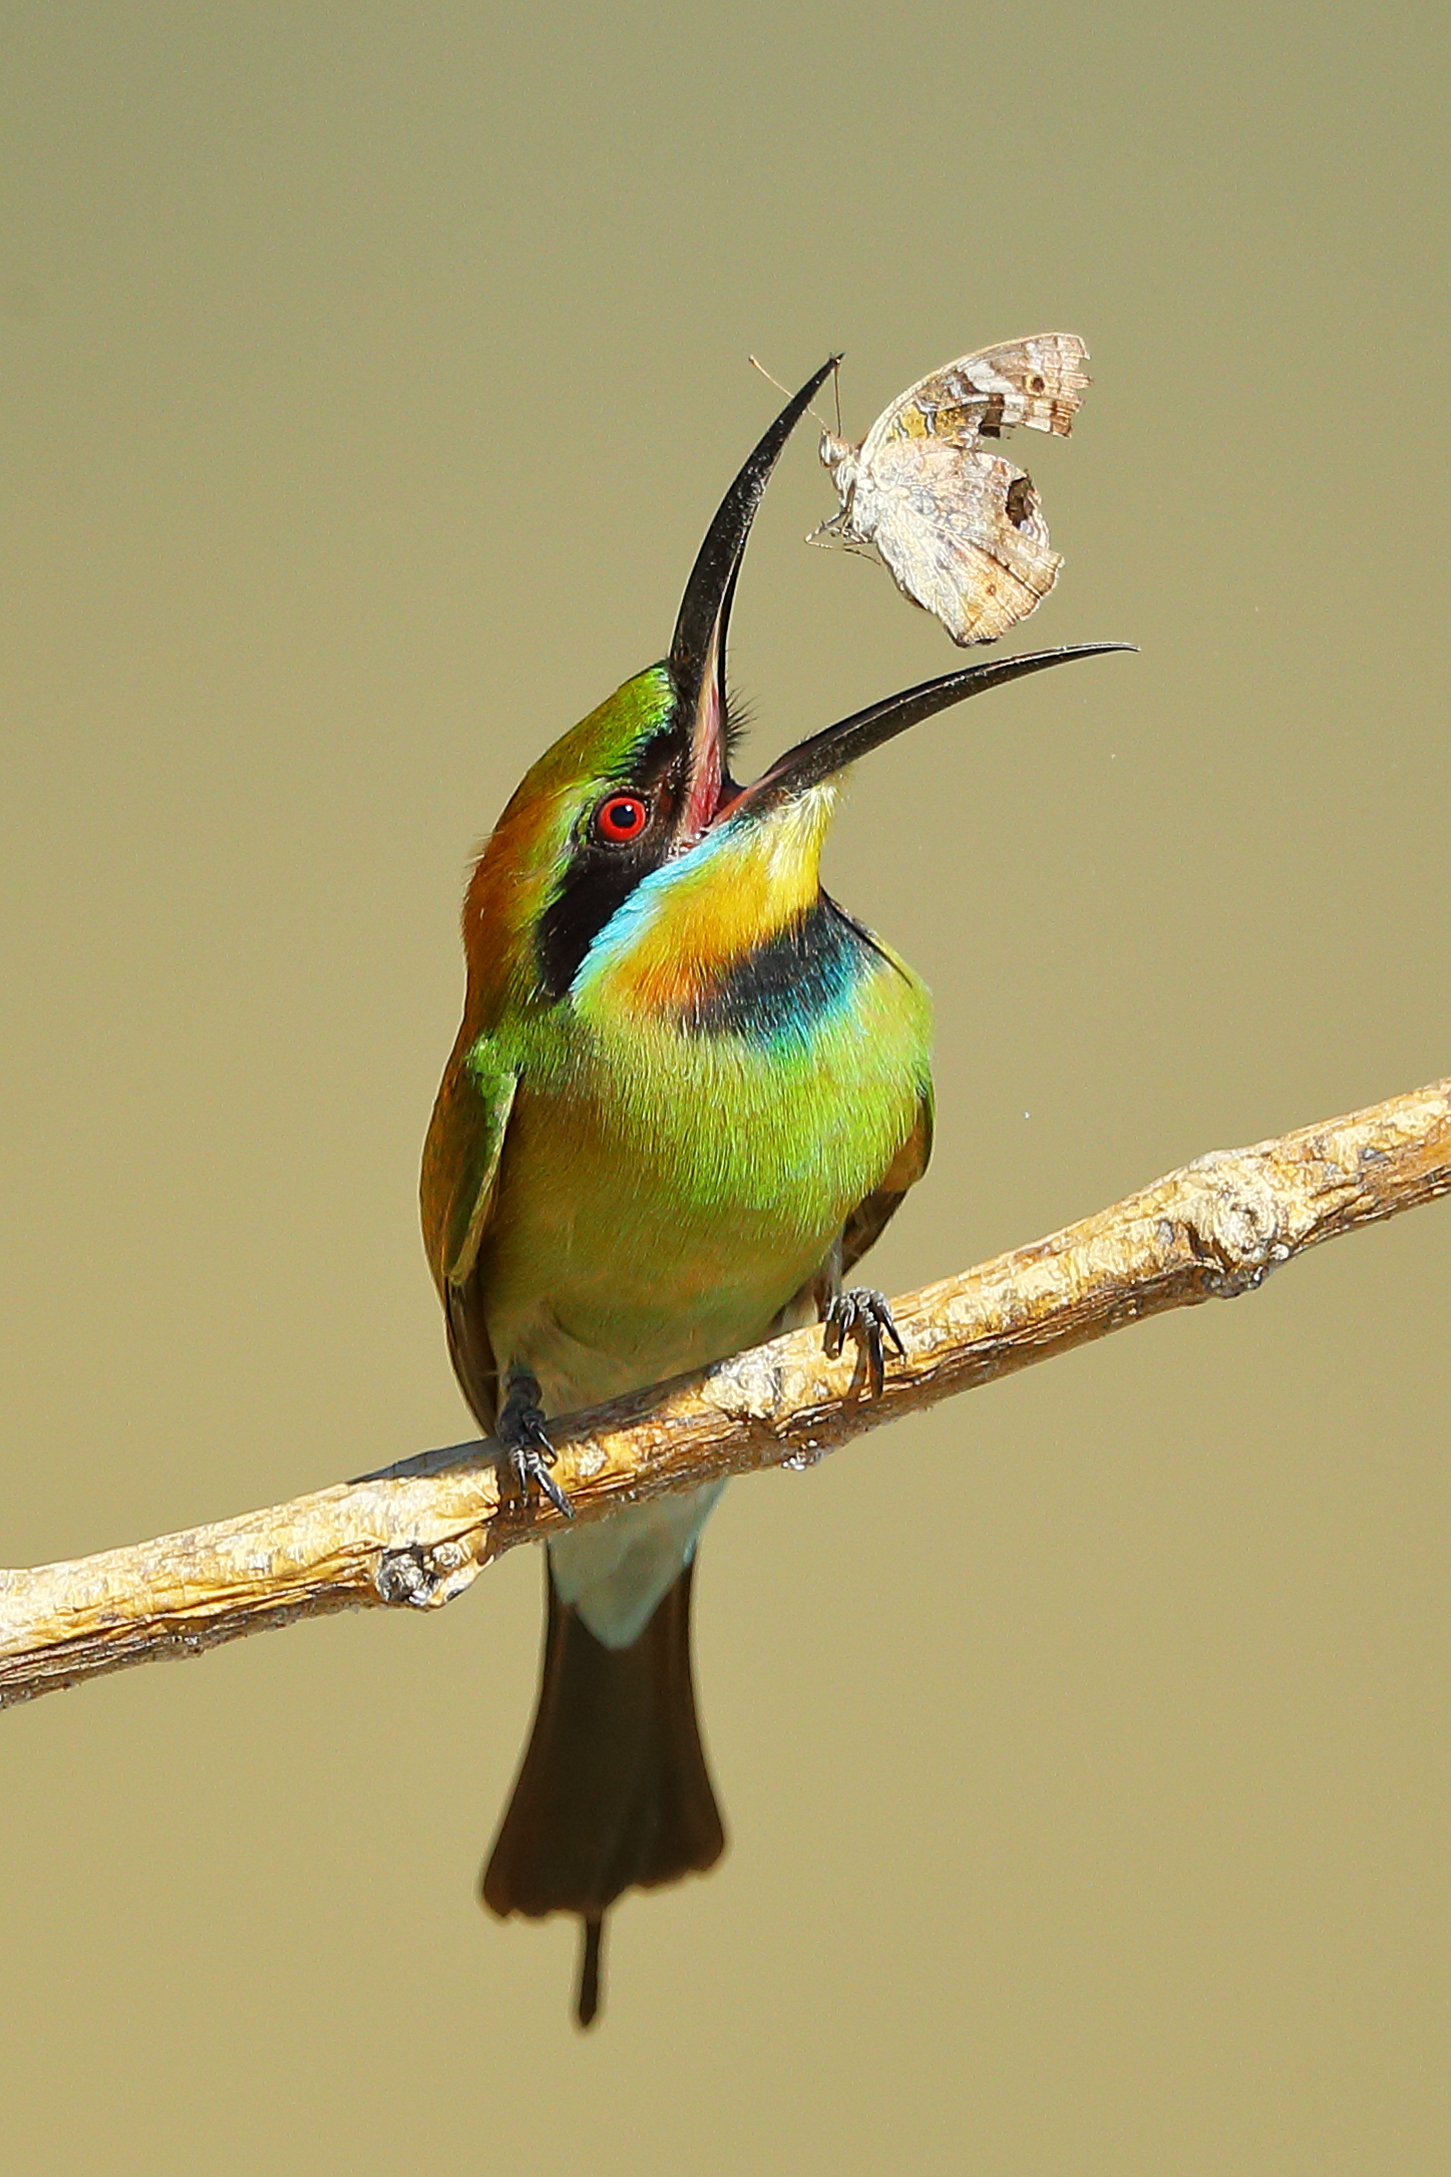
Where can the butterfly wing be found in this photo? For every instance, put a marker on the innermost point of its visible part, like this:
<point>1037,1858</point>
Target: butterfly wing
<point>1038,382</point>
<point>962,533</point>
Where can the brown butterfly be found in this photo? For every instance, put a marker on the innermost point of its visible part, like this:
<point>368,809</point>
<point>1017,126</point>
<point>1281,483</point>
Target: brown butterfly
<point>960,528</point>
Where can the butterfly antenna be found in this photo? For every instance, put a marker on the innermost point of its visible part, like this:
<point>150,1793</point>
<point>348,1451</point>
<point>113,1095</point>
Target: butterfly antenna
<point>756,364</point>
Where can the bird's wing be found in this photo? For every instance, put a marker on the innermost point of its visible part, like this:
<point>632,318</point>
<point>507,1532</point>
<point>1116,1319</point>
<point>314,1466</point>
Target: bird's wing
<point>477,1182</point>
<point>870,1218</point>
<point>460,1186</point>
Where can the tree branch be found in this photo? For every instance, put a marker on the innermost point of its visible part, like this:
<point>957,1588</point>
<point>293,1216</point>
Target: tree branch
<point>420,1532</point>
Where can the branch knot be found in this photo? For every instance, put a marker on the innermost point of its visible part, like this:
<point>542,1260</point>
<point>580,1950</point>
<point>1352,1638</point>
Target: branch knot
<point>1235,1230</point>
<point>423,1576</point>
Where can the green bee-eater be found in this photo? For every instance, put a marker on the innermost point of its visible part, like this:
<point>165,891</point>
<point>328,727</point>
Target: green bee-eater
<point>688,1092</point>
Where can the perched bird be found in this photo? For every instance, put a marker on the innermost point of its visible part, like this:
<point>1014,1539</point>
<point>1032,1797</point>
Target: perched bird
<point>688,1092</point>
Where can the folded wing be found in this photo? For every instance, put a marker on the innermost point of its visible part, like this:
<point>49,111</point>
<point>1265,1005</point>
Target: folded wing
<point>963,534</point>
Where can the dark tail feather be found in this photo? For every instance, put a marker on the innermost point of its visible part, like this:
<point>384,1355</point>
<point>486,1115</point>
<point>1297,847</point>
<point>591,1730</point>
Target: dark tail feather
<point>613,1792</point>
<point>591,1945</point>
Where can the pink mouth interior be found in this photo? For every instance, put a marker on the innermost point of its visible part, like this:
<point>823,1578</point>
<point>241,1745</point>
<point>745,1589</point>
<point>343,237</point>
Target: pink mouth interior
<point>703,800</point>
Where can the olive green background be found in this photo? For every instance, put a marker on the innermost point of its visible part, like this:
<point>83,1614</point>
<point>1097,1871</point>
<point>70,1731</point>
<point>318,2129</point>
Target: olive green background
<point>370,375</point>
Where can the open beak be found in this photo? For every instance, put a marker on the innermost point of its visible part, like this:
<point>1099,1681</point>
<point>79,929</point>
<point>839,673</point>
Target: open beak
<point>697,664</point>
<point>697,652</point>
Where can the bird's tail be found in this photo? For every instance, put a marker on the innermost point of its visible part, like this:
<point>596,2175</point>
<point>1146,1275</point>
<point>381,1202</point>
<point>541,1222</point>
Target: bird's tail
<point>613,1791</point>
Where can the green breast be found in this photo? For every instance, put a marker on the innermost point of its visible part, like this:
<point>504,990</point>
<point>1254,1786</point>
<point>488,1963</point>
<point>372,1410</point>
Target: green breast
<point>669,1183</point>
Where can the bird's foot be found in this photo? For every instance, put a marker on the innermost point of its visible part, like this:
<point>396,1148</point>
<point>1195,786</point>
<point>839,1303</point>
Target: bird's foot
<point>863,1313</point>
<point>520,1429</point>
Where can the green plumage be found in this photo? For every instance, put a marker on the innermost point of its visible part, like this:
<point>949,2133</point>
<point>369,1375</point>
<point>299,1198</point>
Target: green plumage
<point>663,1192</point>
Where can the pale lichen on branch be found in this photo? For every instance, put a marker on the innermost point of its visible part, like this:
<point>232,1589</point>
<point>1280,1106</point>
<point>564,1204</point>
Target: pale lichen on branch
<point>418,1534</point>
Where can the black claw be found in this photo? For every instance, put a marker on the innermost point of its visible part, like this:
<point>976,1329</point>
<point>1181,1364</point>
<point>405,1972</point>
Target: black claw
<point>532,1466</point>
<point>522,1432</point>
<point>863,1313</point>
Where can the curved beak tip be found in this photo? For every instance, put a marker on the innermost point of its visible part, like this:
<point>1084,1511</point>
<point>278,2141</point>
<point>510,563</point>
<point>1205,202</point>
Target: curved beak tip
<point>700,626</point>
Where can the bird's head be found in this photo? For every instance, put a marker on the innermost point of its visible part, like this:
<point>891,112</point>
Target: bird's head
<point>629,855</point>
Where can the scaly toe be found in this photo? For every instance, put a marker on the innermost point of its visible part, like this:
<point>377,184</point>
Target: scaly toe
<point>863,1313</point>
<point>531,1455</point>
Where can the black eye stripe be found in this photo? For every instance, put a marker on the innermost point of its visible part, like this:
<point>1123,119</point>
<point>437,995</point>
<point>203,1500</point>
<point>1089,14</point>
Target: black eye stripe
<point>605,866</point>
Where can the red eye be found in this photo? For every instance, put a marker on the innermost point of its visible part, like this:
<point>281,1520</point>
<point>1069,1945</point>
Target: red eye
<point>622,818</point>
